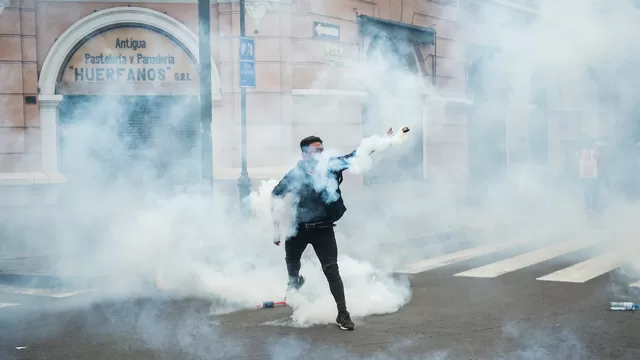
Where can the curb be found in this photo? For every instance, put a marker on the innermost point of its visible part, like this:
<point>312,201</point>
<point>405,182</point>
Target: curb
<point>49,281</point>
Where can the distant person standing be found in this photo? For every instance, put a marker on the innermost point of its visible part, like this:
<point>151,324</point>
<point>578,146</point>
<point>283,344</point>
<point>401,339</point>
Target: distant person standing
<point>589,161</point>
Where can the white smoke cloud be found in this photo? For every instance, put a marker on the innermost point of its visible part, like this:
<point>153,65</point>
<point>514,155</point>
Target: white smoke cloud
<point>127,230</point>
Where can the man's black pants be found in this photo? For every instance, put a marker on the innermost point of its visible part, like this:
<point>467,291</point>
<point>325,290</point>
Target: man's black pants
<point>324,244</point>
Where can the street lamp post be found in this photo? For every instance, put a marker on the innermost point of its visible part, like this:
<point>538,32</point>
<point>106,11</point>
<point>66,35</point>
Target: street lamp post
<point>206,112</point>
<point>244,181</point>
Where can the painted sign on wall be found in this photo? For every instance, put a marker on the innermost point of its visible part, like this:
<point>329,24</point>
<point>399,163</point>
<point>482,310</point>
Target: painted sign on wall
<point>130,61</point>
<point>334,54</point>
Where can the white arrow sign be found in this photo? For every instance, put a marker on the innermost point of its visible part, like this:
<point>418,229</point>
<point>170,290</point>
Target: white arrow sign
<point>327,30</point>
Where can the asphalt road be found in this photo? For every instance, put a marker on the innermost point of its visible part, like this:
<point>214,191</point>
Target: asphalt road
<point>512,316</point>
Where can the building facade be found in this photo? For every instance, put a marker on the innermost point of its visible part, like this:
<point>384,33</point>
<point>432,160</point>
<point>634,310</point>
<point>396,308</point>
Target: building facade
<point>65,61</point>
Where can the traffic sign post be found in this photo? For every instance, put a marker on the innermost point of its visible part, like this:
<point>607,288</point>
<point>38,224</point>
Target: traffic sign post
<point>247,62</point>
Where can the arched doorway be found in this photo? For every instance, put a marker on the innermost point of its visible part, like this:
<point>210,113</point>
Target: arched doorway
<point>393,97</point>
<point>119,93</point>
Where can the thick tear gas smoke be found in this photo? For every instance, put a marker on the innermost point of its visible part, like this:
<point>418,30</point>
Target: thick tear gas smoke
<point>577,89</point>
<point>120,219</point>
<point>132,214</point>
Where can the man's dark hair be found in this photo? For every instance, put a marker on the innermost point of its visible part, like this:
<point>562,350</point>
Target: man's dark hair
<point>304,143</point>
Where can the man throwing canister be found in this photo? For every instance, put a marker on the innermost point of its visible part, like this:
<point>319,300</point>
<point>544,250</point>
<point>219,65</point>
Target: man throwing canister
<point>314,184</point>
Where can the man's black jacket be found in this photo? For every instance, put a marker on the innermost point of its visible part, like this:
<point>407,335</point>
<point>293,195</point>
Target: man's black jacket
<point>315,201</point>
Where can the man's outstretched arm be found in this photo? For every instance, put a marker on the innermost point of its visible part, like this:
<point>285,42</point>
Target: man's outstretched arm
<point>389,134</point>
<point>342,163</point>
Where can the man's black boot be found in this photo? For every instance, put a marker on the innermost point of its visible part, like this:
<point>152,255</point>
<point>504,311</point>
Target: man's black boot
<point>295,279</point>
<point>295,283</point>
<point>344,320</point>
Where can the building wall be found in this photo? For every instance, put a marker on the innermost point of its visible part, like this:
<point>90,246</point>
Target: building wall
<point>299,92</point>
<point>19,135</point>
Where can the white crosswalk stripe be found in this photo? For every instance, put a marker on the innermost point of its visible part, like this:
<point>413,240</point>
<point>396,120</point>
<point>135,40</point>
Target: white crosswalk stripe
<point>589,269</point>
<point>577,273</point>
<point>448,259</point>
<point>40,291</point>
<point>524,260</point>
<point>6,305</point>
<point>12,291</point>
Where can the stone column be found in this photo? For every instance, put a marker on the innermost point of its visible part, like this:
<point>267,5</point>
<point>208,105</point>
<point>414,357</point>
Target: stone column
<point>434,115</point>
<point>49,135</point>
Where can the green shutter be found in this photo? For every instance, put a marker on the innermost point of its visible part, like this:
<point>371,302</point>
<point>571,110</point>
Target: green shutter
<point>155,133</point>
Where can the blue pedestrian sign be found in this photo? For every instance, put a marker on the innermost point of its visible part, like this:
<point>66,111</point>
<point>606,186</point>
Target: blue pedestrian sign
<point>247,62</point>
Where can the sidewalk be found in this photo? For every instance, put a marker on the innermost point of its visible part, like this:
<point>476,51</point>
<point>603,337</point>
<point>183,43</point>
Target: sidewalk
<point>31,271</point>
<point>38,272</point>
<point>26,265</point>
